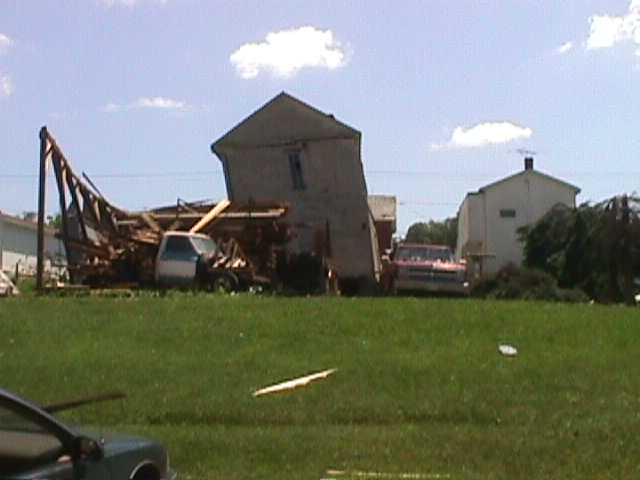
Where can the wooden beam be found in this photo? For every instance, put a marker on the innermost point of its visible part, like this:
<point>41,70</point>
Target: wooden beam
<point>74,198</point>
<point>151,222</point>
<point>248,215</point>
<point>88,201</point>
<point>276,213</point>
<point>209,217</point>
<point>58,168</point>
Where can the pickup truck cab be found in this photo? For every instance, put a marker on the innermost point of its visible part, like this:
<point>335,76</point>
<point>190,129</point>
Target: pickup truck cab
<point>430,268</point>
<point>178,257</point>
<point>187,259</point>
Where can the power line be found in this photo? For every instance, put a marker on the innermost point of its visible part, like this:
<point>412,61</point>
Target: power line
<point>124,175</point>
<point>493,174</point>
<point>434,173</point>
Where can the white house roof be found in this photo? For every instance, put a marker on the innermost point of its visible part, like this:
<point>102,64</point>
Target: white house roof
<point>528,172</point>
<point>26,224</point>
<point>296,121</point>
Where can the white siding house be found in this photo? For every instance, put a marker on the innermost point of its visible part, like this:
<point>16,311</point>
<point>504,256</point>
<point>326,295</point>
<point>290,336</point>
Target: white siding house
<point>488,220</point>
<point>288,151</point>
<point>19,242</point>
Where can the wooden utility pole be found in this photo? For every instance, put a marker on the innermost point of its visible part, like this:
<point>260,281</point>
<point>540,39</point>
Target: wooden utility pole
<point>41,206</point>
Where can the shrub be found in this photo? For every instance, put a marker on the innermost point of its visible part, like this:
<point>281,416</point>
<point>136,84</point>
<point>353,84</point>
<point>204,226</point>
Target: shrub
<point>512,283</point>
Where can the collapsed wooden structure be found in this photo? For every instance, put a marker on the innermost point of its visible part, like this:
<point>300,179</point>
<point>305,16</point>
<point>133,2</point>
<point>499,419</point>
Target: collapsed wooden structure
<point>106,245</point>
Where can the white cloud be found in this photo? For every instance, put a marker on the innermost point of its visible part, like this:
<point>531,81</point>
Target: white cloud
<point>285,52</point>
<point>5,43</point>
<point>158,103</point>
<point>112,107</point>
<point>609,30</point>
<point>483,134</point>
<point>6,86</point>
<point>564,48</point>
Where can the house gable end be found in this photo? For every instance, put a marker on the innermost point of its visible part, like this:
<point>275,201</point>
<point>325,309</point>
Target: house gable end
<point>281,121</point>
<point>530,173</point>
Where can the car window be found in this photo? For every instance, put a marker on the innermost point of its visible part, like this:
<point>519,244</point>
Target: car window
<point>179,245</point>
<point>441,254</point>
<point>421,254</point>
<point>11,421</point>
<point>204,245</point>
<point>179,248</point>
<point>24,444</point>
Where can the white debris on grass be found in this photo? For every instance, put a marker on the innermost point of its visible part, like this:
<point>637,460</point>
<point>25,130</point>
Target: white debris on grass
<point>507,350</point>
<point>7,288</point>
<point>294,383</point>
<point>333,474</point>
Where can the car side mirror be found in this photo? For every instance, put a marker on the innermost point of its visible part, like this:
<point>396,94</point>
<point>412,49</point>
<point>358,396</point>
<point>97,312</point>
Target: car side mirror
<point>87,449</point>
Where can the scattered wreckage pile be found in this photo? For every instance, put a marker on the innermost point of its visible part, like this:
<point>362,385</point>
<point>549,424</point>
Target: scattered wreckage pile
<point>107,246</point>
<point>7,287</point>
<point>204,244</point>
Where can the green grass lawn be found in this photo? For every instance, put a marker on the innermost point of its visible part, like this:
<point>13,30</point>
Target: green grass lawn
<point>420,388</point>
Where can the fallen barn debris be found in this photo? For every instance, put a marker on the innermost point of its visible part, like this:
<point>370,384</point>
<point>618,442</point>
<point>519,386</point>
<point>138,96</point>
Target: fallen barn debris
<point>79,402</point>
<point>7,288</point>
<point>295,383</point>
<point>109,246</point>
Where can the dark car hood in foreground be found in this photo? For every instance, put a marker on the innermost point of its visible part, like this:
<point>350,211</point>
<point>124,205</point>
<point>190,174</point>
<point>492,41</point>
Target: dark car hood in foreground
<point>115,443</point>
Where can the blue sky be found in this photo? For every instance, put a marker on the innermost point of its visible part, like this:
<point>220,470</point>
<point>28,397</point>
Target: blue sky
<point>444,92</point>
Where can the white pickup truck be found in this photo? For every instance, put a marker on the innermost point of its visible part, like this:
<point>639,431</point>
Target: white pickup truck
<point>195,260</point>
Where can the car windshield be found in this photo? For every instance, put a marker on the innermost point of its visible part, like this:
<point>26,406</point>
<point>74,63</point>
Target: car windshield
<point>24,444</point>
<point>424,254</point>
<point>204,245</point>
<point>10,420</point>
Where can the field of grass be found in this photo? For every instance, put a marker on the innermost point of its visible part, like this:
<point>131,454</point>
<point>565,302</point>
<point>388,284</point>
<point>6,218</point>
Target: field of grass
<point>420,388</point>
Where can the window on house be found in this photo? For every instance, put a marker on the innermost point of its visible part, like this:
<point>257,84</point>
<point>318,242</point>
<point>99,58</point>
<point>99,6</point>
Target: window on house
<point>295,166</point>
<point>507,213</point>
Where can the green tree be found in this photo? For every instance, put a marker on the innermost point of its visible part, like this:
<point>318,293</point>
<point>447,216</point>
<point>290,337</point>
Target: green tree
<point>444,232</point>
<point>593,247</point>
<point>55,221</point>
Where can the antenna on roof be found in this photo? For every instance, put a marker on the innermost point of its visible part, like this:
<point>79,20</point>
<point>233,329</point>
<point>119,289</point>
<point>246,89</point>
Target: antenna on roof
<point>528,157</point>
<point>524,151</point>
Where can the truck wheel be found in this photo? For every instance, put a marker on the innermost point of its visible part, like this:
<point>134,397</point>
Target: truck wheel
<point>225,282</point>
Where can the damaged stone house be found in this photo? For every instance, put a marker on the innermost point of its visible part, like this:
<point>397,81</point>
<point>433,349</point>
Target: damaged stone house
<point>288,151</point>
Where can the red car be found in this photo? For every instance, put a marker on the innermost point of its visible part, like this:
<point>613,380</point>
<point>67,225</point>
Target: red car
<point>430,268</point>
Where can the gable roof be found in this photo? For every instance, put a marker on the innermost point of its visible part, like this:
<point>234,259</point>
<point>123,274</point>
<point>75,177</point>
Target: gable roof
<point>319,125</point>
<point>529,172</point>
